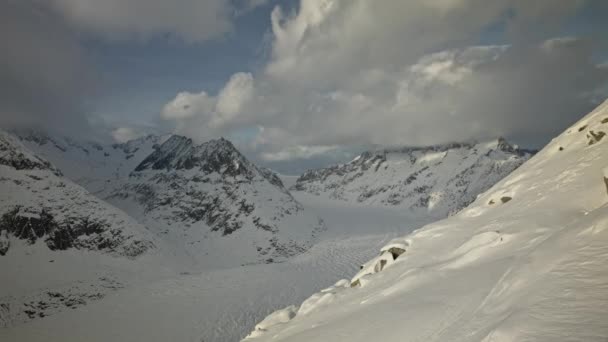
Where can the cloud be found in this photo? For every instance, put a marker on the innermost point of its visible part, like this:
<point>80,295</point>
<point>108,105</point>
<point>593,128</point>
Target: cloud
<point>47,76</point>
<point>391,72</point>
<point>297,152</point>
<point>188,20</point>
<point>44,75</point>
<point>200,115</point>
<point>232,100</point>
<point>124,134</point>
<point>251,4</point>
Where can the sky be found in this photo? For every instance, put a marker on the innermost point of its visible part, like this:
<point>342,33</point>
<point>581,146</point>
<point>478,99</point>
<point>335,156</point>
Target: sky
<point>303,83</point>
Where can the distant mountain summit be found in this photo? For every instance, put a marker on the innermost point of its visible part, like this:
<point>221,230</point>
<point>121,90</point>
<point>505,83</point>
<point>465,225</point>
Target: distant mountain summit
<point>201,194</point>
<point>206,202</point>
<point>437,179</point>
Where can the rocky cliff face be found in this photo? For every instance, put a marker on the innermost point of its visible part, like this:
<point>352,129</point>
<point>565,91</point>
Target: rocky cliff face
<point>201,193</point>
<point>201,200</point>
<point>37,203</point>
<point>437,179</point>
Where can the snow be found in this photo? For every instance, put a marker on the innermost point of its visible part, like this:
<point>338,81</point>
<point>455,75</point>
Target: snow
<point>166,294</point>
<point>530,268</point>
<point>436,180</point>
<point>164,301</point>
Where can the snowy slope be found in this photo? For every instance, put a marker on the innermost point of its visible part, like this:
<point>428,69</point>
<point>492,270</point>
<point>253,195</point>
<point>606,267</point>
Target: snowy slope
<point>436,180</point>
<point>194,198</point>
<point>525,262</point>
<point>44,216</point>
<point>210,203</point>
<point>37,202</point>
<point>92,165</point>
<point>224,305</point>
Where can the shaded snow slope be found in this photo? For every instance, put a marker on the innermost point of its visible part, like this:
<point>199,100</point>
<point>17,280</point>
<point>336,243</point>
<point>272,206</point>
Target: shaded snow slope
<point>44,217</point>
<point>525,262</point>
<point>91,165</point>
<point>37,203</point>
<point>436,180</point>
<point>222,305</point>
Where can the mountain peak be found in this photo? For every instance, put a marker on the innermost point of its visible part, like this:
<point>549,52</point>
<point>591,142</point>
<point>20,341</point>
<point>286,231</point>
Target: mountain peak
<point>180,153</point>
<point>15,155</point>
<point>440,178</point>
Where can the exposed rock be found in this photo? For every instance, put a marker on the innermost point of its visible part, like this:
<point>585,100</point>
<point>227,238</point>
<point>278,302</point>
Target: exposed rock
<point>214,187</point>
<point>53,209</point>
<point>606,178</point>
<point>81,232</point>
<point>437,180</point>
<point>595,137</point>
<point>5,242</point>
<point>396,252</point>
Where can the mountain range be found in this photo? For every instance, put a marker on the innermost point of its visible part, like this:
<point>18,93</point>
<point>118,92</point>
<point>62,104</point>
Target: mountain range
<point>101,218</point>
<point>526,261</point>
<point>435,180</point>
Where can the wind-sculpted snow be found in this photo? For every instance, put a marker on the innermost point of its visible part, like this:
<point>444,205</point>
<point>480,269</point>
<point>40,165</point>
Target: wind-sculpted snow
<point>438,180</point>
<point>525,262</point>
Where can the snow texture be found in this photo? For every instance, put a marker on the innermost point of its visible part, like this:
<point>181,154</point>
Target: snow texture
<point>525,262</point>
<point>436,180</point>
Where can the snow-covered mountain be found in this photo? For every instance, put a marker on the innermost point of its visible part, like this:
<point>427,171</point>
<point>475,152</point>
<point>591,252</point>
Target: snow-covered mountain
<point>215,205</point>
<point>92,165</point>
<point>45,217</point>
<point>436,180</point>
<point>207,203</point>
<point>525,262</point>
<point>38,203</point>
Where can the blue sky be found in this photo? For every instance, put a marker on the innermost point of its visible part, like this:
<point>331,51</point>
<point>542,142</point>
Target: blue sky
<point>301,84</point>
<point>143,76</point>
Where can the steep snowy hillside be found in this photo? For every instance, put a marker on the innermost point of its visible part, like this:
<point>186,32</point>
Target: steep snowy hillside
<point>36,202</point>
<point>43,213</point>
<point>436,180</point>
<point>210,203</point>
<point>91,165</point>
<point>525,262</point>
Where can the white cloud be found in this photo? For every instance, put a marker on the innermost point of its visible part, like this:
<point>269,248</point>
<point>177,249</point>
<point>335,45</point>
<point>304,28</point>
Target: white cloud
<point>297,152</point>
<point>202,116</point>
<point>188,105</point>
<point>394,72</point>
<point>232,100</point>
<point>124,134</point>
<point>189,20</point>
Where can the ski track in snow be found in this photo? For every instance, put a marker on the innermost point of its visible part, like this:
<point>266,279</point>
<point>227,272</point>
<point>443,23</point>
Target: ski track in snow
<point>225,304</point>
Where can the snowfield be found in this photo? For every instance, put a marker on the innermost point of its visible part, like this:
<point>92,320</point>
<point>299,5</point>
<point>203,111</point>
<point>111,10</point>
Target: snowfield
<point>435,180</point>
<point>525,262</point>
<point>161,302</point>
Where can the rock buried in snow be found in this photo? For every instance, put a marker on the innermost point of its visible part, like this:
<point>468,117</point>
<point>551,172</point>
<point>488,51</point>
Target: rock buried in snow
<point>376,265</point>
<point>595,137</point>
<point>5,243</point>
<point>278,317</point>
<point>606,178</point>
<point>396,247</point>
<point>388,254</point>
